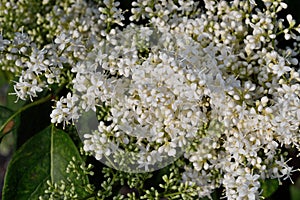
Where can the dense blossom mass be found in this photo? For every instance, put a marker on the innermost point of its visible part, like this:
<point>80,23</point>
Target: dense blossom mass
<point>216,83</point>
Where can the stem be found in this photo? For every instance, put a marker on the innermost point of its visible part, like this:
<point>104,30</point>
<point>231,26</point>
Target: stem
<point>111,162</point>
<point>40,101</point>
<point>90,196</point>
<point>172,194</point>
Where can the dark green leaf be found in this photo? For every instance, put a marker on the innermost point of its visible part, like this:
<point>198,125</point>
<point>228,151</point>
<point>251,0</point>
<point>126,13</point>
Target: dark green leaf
<point>3,88</point>
<point>43,157</point>
<point>295,190</point>
<point>8,133</point>
<point>269,186</point>
<point>5,113</point>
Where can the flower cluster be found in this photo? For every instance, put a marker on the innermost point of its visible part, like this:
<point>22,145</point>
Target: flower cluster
<point>215,83</point>
<point>66,189</point>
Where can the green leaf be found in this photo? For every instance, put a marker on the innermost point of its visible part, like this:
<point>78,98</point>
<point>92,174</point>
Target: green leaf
<point>8,131</point>
<point>8,135</point>
<point>295,190</point>
<point>43,157</point>
<point>5,113</point>
<point>3,88</point>
<point>269,186</point>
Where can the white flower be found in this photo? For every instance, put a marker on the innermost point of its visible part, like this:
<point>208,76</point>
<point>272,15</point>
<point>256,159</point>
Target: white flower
<point>62,40</point>
<point>290,20</point>
<point>23,89</point>
<point>253,2</point>
<point>213,84</point>
<point>3,43</point>
<point>65,110</point>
